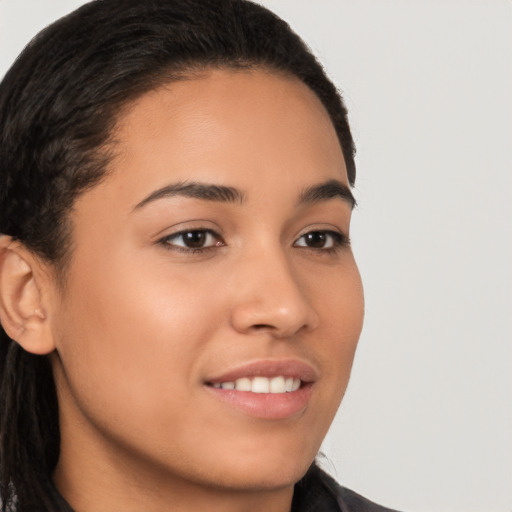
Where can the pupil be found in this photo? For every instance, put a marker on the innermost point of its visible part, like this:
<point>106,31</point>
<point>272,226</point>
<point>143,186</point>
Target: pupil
<point>315,239</point>
<point>194,239</point>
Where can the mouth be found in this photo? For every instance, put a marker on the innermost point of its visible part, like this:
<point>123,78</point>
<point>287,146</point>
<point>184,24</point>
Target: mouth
<point>274,385</point>
<point>266,389</point>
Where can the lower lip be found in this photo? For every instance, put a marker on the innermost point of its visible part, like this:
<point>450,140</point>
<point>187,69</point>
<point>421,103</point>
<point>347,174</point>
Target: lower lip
<point>271,406</point>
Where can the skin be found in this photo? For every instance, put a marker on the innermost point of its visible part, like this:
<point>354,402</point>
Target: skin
<point>142,322</point>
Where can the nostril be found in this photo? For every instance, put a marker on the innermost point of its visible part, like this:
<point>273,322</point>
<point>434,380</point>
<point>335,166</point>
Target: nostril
<point>262,326</point>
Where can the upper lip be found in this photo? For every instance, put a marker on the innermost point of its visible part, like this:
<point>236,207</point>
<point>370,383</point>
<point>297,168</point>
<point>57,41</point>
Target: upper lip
<point>269,368</point>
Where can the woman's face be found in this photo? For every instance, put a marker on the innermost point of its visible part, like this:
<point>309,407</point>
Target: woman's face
<point>214,255</point>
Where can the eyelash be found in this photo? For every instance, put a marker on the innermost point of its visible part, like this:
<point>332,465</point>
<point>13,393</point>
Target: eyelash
<point>167,241</point>
<point>337,240</point>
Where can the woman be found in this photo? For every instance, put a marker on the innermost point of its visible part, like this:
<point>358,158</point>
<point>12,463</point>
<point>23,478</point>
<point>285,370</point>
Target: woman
<point>180,302</point>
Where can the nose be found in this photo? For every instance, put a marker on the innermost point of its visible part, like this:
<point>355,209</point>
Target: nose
<point>271,298</point>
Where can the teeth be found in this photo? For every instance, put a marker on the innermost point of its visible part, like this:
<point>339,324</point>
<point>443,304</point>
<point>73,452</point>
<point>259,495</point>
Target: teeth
<point>260,385</point>
<point>243,384</point>
<point>278,384</point>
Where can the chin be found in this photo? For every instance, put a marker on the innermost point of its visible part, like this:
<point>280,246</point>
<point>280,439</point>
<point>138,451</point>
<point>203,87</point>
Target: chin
<point>280,479</point>
<point>272,472</point>
<point>264,481</point>
<point>270,457</point>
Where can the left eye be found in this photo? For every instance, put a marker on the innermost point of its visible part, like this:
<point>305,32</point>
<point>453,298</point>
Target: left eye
<point>193,239</point>
<point>320,240</point>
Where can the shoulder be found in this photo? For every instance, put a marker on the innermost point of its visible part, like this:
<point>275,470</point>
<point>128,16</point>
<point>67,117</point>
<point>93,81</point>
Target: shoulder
<point>353,502</point>
<point>318,492</point>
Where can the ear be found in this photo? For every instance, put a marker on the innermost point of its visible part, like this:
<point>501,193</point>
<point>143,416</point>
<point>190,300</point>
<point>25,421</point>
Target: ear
<point>23,312</point>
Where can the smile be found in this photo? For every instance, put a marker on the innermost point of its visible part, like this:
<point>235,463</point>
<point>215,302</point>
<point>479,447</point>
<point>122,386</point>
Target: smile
<point>275,385</point>
<point>265,389</point>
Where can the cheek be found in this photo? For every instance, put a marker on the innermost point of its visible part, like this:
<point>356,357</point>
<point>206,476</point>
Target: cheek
<point>131,337</point>
<point>342,308</point>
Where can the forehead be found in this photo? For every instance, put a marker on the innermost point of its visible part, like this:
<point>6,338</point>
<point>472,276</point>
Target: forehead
<point>267,135</point>
<point>253,119</point>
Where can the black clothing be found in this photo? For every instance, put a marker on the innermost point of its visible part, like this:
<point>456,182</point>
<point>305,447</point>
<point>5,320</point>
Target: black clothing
<point>318,492</point>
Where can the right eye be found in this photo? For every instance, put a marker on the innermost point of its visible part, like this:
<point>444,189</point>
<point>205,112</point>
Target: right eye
<point>193,240</point>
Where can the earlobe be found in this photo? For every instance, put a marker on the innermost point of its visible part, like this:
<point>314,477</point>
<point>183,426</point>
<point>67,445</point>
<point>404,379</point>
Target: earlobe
<point>22,310</point>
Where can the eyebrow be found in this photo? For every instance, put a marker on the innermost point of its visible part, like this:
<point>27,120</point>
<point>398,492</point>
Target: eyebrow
<point>223,194</point>
<point>195,190</point>
<point>328,190</point>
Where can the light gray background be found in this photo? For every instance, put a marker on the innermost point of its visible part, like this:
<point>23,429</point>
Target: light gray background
<point>426,424</point>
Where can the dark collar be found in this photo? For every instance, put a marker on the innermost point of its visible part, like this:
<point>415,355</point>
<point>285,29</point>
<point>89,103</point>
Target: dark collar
<point>318,492</point>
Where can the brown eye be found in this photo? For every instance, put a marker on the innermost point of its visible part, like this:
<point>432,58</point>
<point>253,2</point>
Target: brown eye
<point>194,239</point>
<point>321,240</point>
<point>317,239</point>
